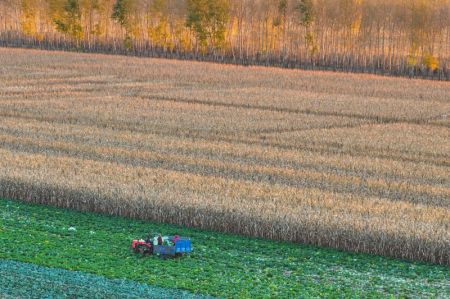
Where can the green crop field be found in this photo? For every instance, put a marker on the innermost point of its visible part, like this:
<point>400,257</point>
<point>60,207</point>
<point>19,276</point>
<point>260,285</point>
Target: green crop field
<point>221,265</point>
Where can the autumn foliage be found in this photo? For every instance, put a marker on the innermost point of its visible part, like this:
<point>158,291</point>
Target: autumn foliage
<point>409,38</point>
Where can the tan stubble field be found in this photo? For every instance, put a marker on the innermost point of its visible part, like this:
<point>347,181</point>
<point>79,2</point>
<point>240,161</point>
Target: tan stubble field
<point>356,162</point>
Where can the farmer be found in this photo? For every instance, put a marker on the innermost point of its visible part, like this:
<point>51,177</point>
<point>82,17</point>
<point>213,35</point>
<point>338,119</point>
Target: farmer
<point>176,238</point>
<point>160,239</point>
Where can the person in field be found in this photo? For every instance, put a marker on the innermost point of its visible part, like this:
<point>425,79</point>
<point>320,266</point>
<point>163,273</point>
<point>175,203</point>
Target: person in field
<point>160,239</point>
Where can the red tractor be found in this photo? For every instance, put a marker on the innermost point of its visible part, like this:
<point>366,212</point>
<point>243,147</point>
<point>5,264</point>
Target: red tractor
<point>142,246</point>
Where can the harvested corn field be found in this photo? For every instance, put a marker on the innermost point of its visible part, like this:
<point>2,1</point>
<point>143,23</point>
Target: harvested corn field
<point>355,162</point>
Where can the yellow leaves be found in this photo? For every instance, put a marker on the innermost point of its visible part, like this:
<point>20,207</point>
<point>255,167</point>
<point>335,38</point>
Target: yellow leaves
<point>357,18</point>
<point>231,33</point>
<point>431,62</point>
<point>356,25</point>
<point>28,25</point>
<point>234,28</point>
<point>30,18</point>
<point>411,60</point>
<point>160,34</point>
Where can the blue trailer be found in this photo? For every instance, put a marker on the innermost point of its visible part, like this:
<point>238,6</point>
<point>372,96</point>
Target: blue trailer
<point>180,247</point>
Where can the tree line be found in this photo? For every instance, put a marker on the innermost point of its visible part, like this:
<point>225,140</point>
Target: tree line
<point>400,37</point>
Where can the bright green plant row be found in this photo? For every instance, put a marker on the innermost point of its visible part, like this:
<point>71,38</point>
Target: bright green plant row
<point>220,265</point>
<point>22,280</point>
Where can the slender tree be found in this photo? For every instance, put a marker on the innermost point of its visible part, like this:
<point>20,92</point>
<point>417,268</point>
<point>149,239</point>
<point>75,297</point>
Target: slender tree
<point>208,18</point>
<point>124,12</point>
<point>306,12</point>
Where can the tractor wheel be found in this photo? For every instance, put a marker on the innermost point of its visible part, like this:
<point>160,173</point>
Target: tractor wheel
<point>141,249</point>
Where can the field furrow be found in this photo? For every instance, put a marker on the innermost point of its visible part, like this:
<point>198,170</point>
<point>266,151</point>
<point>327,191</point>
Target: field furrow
<point>51,134</point>
<point>299,178</point>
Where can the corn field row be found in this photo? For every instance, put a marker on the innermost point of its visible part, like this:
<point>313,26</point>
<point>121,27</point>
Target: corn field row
<point>352,162</point>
